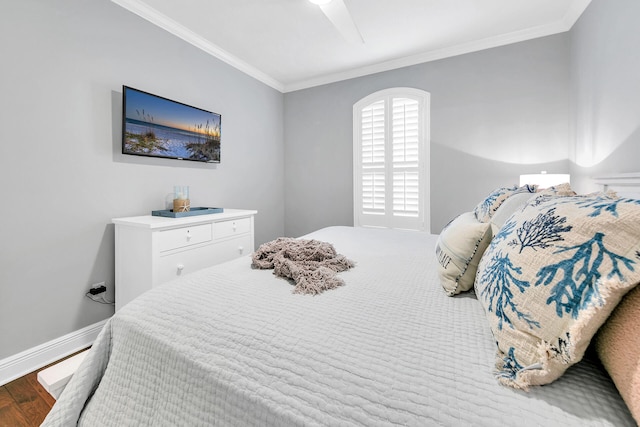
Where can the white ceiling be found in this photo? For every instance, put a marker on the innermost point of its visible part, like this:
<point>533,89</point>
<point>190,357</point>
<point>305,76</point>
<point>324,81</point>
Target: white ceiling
<point>291,44</point>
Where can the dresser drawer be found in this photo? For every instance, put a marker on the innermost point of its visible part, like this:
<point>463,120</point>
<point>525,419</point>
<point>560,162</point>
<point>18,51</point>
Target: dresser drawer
<point>176,264</point>
<point>182,237</point>
<point>173,265</point>
<point>234,248</point>
<point>234,227</point>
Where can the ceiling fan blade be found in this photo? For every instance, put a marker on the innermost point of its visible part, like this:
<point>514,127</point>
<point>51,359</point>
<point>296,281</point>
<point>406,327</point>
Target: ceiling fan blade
<point>340,17</point>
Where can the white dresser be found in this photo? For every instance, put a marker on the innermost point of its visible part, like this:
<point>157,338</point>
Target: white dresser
<point>151,250</point>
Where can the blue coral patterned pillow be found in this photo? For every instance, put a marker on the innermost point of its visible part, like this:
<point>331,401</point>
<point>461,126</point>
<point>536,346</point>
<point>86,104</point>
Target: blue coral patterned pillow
<point>561,190</point>
<point>550,278</point>
<point>486,208</point>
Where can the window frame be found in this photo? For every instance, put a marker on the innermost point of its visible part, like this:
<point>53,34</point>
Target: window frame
<point>388,219</point>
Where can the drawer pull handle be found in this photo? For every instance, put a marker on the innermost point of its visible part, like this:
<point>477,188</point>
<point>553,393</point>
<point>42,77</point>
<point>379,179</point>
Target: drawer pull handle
<point>188,234</point>
<point>240,249</point>
<point>180,267</point>
<point>234,226</point>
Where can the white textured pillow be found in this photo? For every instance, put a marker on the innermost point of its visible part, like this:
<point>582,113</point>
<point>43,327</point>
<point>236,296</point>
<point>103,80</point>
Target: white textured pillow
<point>550,278</point>
<point>459,249</point>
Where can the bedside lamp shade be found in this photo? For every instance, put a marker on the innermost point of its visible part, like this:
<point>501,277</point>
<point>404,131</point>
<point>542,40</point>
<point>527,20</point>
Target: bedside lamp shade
<point>545,180</point>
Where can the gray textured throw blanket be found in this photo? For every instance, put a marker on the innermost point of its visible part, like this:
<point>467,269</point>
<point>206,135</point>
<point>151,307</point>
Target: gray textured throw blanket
<point>313,265</point>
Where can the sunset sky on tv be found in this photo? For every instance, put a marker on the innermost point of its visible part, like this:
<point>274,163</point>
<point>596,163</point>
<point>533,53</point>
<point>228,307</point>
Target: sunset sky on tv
<point>166,112</point>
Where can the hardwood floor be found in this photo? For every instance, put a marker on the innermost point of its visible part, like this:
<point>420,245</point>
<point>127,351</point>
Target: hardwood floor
<point>24,402</point>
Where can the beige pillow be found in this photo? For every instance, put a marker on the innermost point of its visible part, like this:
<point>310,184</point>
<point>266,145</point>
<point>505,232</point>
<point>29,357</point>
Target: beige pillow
<point>459,249</point>
<point>559,190</point>
<point>550,278</point>
<point>618,345</point>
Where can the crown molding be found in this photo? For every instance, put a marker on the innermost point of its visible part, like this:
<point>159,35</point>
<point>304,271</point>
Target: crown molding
<point>152,15</point>
<point>561,26</point>
<point>575,11</point>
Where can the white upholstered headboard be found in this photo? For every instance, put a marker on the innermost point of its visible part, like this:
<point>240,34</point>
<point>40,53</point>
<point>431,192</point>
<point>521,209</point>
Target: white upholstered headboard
<point>625,184</point>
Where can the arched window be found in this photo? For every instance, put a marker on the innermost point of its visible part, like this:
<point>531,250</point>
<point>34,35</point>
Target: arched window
<point>391,159</point>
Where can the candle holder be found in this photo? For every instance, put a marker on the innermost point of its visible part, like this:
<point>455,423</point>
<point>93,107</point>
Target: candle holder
<point>181,201</point>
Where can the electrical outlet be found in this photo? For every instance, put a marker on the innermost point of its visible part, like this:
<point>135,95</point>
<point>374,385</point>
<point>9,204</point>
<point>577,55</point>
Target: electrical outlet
<point>98,285</point>
<point>98,288</point>
<point>98,293</point>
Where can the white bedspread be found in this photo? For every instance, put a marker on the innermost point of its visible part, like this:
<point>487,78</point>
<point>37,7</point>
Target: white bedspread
<point>233,346</point>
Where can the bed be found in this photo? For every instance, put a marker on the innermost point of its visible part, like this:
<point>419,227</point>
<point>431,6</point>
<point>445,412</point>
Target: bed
<point>233,346</point>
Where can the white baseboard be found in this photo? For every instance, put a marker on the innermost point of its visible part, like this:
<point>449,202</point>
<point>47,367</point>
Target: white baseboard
<point>30,360</point>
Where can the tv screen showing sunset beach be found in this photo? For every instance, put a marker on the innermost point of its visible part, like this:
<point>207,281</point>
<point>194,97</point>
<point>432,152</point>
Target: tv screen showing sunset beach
<point>159,127</point>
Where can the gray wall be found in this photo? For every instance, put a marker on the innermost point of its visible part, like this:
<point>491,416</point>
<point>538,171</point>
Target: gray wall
<point>63,177</point>
<point>605,91</point>
<point>494,115</point>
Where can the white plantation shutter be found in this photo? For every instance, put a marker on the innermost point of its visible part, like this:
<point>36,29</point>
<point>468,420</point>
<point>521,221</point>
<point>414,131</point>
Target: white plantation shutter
<point>406,196</point>
<point>373,158</point>
<point>406,157</point>
<point>373,201</point>
<point>390,159</point>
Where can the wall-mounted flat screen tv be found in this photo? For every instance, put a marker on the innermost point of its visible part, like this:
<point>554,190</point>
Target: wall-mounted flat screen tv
<point>159,127</point>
